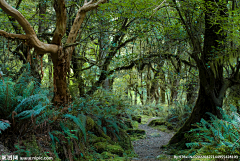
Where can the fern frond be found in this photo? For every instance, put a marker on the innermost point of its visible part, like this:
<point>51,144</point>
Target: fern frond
<point>222,136</point>
<point>67,131</point>
<point>78,122</point>
<point>28,113</point>
<point>31,100</point>
<point>113,124</point>
<point>3,126</point>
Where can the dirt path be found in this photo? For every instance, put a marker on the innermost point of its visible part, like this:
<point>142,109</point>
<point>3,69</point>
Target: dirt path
<point>148,148</point>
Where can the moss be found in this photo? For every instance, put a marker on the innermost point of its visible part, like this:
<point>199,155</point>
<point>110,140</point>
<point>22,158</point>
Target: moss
<point>128,123</point>
<point>136,131</point>
<point>115,149</point>
<point>155,134</point>
<point>161,128</point>
<point>89,124</point>
<point>145,119</point>
<point>94,139</point>
<point>147,112</point>
<point>100,133</point>
<point>169,126</point>
<point>104,146</point>
<point>137,137</point>
<point>117,159</point>
<point>163,157</point>
<point>135,124</point>
<point>136,134</point>
<point>163,147</point>
<point>130,153</point>
<point>125,140</point>
<point>107,155</point>
<point>100,146</point>
<point>137,118</point>
<point>157,122</point>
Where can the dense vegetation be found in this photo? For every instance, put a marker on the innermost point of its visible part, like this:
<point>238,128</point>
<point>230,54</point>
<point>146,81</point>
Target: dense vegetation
<point>77,76</point>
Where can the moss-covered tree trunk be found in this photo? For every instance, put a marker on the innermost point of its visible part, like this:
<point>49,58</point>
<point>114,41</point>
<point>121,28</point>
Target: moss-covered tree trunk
<point>174,90</point>
<point>204,104</point>
<point>212,84</point>
<point>154,88</point>
<point>162,87</point>
<point>191,92</point>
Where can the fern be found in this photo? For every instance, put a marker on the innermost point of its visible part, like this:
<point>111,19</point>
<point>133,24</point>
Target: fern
<point>67,131</point>
<point>22,97</point>
<point>3,126</point>
<point>53,144</point>
<point>35,102</point>
<point>30,101</point>
<point>78,122</point>
<point>217,137</point>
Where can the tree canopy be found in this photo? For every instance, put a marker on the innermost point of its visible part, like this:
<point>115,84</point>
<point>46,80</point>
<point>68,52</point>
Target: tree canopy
<point>146,52</point>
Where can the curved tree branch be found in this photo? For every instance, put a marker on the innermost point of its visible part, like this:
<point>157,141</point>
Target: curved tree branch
<point>30,33</point>
<point>13,36</point>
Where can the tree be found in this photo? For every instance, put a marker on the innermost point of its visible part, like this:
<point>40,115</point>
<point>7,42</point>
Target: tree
<point>60,54</point>
<point>213,84</point>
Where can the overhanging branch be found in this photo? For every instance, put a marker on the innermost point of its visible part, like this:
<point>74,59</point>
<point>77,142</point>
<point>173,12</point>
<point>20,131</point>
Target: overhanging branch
<point>30,33</point>
<point>13,36</point>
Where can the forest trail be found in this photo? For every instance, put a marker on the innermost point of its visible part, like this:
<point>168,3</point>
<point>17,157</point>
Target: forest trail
<point>149,148</point>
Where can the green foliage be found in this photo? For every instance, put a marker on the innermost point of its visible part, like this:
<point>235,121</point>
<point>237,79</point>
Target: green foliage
<point>81,124</point>
<point>22,98</point>
<point>4,125</point>
<point>148,110</point>
<point>29,148</point>
<point>103,104</point>
<point>217,137</point>
<point>180,113</point>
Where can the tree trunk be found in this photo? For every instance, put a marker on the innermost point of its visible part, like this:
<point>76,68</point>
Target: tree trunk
<point>135,98</point>
<point>174,90</point>
<point>61,96</point>
<point>148,87</point>
<point>191,93</point>
<point>162,94</point>
<point>234,97</point>
<point>117,39</point>
<point>50,74</point>
<point>204,104</point>
<point>212,84</point>
<point>61,58</point>
<point>108,83</point>
<point>157,96</point>
<point>77,65</point>
<point>154,88</point>
<point>25,49</point>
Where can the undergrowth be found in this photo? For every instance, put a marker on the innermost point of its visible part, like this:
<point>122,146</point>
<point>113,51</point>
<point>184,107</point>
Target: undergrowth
<point>178,114</point>
<point>31,125</point>
<point>218,137</point>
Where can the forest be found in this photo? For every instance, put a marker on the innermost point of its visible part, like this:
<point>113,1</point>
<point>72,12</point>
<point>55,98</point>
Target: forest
<point>147,80</point>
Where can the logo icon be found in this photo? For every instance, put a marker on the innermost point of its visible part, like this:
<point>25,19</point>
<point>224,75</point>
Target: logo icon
<point>15,157</point>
